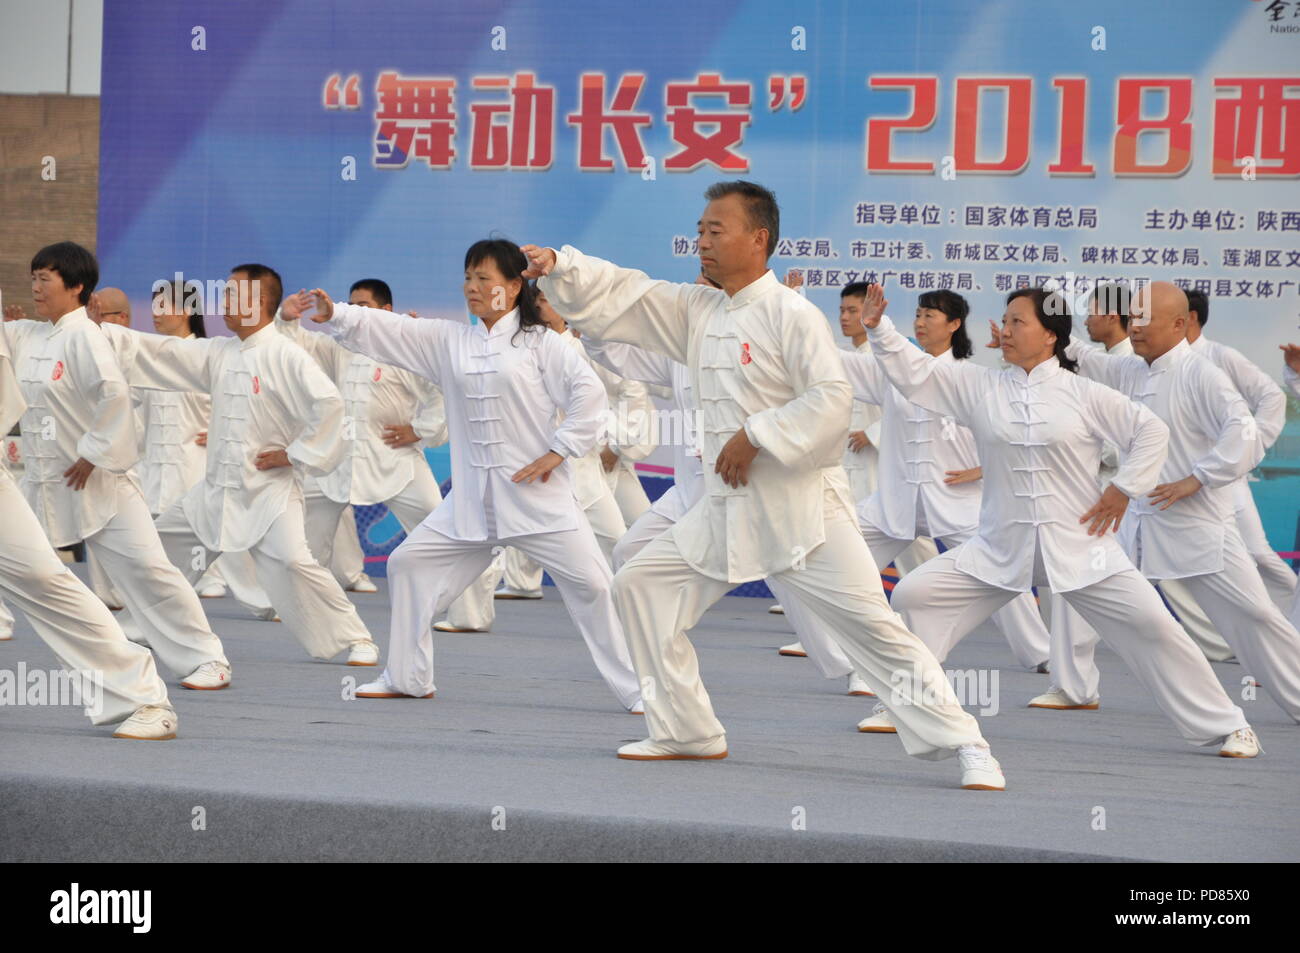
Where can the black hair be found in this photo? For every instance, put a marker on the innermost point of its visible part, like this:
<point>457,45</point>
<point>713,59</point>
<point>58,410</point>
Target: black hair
<point>855,289</point>
<point>512,263</point>
<point>378,289</point>
<point>74,264</point>
<point>1053,313</point>
<point>1113,297</point>
<point>1199,302</point>
<point>955,308</point>
<point>187,295</point>
<point>760,203</point>
<point>269,284</point>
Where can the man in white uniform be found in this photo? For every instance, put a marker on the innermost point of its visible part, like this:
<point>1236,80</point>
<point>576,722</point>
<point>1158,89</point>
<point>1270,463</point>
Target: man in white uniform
<point>775,410</point>
<point>1184,528</point>
<point>79,442</point>
<point>274,414</point>
<point>1291,375</point>
<point>390,416</point>
<point>74,623</point>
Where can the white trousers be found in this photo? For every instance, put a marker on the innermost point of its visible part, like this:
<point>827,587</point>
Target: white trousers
<point>429,570</point>
<point>1194,621</point>
<point>68,617</point>
<point>475,608</point>
<point>160,605</point>
<point>348,563</point>
<point>100,584</point>
<point>943,604</point>
<point>328,521</point>
<point>1018,621</point>
<point>660,597</point>
<point>1278,577</point>
<point>629,494</point>
<point>238,572</point>
<point>817,641</point>
<point>308,598</point>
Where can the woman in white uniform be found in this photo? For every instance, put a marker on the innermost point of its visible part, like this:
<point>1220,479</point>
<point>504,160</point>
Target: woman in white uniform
<point>1039,430</point>
<point>503,381</point>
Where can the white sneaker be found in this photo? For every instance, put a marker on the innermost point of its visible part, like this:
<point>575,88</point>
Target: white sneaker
<point>880,722</point>
<point>1057,699</point>
<point>383,688</point>
<point>637,708</point>
<point>859,687</point>
<point>364,652</point>
<point>149,723</point>
<point>794,649</point>
<point>6,635</point>
<point>363,584</point>
<point>210,676</point>
<point>776,609</point>
<point>445,626</point>
<point>505,592</point>
<point>1242,743</point>
<point>980,771</point>
<point>213,590</point>
<point>651,750</point>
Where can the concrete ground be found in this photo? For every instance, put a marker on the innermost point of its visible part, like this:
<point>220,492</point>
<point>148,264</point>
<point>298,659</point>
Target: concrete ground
<point>514,760</point>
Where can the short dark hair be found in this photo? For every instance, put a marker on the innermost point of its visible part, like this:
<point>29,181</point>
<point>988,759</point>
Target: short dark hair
<point>74,264</point>
<point>760,203</point>
<point>1198,302</point>
<point>379,290</point>
<point>1053,313</point>
<point>268,283</point>
<point>855,289</point>
<point>1113,297</point>
<point>955,308</point>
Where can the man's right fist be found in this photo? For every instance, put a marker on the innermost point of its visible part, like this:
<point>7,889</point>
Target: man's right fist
<point>540,260</point>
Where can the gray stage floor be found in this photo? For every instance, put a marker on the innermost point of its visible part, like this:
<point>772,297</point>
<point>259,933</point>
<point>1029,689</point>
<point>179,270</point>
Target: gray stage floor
<point>523,733</point>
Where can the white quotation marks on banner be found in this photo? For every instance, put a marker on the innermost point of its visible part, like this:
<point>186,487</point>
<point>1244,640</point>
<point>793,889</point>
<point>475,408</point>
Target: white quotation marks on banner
<point>198,558</point>
<point>648,689</point>
<point>798,818</point>
<point>349,171</point>
<point>349,692</point>
<point>48,169</point>
<point>648,169</point>
<point>1248,686</point>
<point>1248,169</point>
<point>798,39</point>
<point>1098,818</point>
<point>948,169</point>
<point>498,818</point>
<point>499,39</point>
<point>198,818</point>
<point>1099,39</point>
<point>199,39</point>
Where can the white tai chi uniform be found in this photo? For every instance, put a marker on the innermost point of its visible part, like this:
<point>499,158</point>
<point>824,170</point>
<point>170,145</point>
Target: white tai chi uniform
<point>1039,436</point>
<point>1212,437</point>
<point>171,461</point>
<point>761,359</point>
<point>79,406</point>
<point>502,388</point>
<point>632,415</point>
<point>1267,405</point>
<point>267,393</point>
<point>74,623</point>
<point>476,607</point>
<point>375,396</point>
<point>912,501</point>
<point>1292,380</point>
<point>665,377</point>
<point>348,564</point>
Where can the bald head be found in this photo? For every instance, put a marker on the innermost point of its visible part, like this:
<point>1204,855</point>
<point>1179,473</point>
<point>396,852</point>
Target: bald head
<point>114,307</point>
<point>1159,319</point>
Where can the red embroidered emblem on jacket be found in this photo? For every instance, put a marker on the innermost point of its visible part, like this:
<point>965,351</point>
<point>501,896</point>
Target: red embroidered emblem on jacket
<point>257,385</point>
<point>744,353</point>
<point>378,374</point>
<point>58,371</point>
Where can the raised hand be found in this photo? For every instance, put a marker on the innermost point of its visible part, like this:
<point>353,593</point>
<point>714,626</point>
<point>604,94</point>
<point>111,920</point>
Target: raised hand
<point>996,341</point>
<point>14,312</point>
<point>873,306</point>
<point>794,278</point>
<point>324,306</point>
<point>1290,354</point>
<point>93,309</point>
<point>294,306</point>
<point>540,261</point>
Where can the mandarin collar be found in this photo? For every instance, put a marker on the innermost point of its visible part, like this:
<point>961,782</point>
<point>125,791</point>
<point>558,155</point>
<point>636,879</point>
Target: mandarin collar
<point>507,324</point>
<point>1042,372</point>
<point>1171,357</point>
<point>72,317</point>
<point>258,337</point>
<point>753,291</point>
